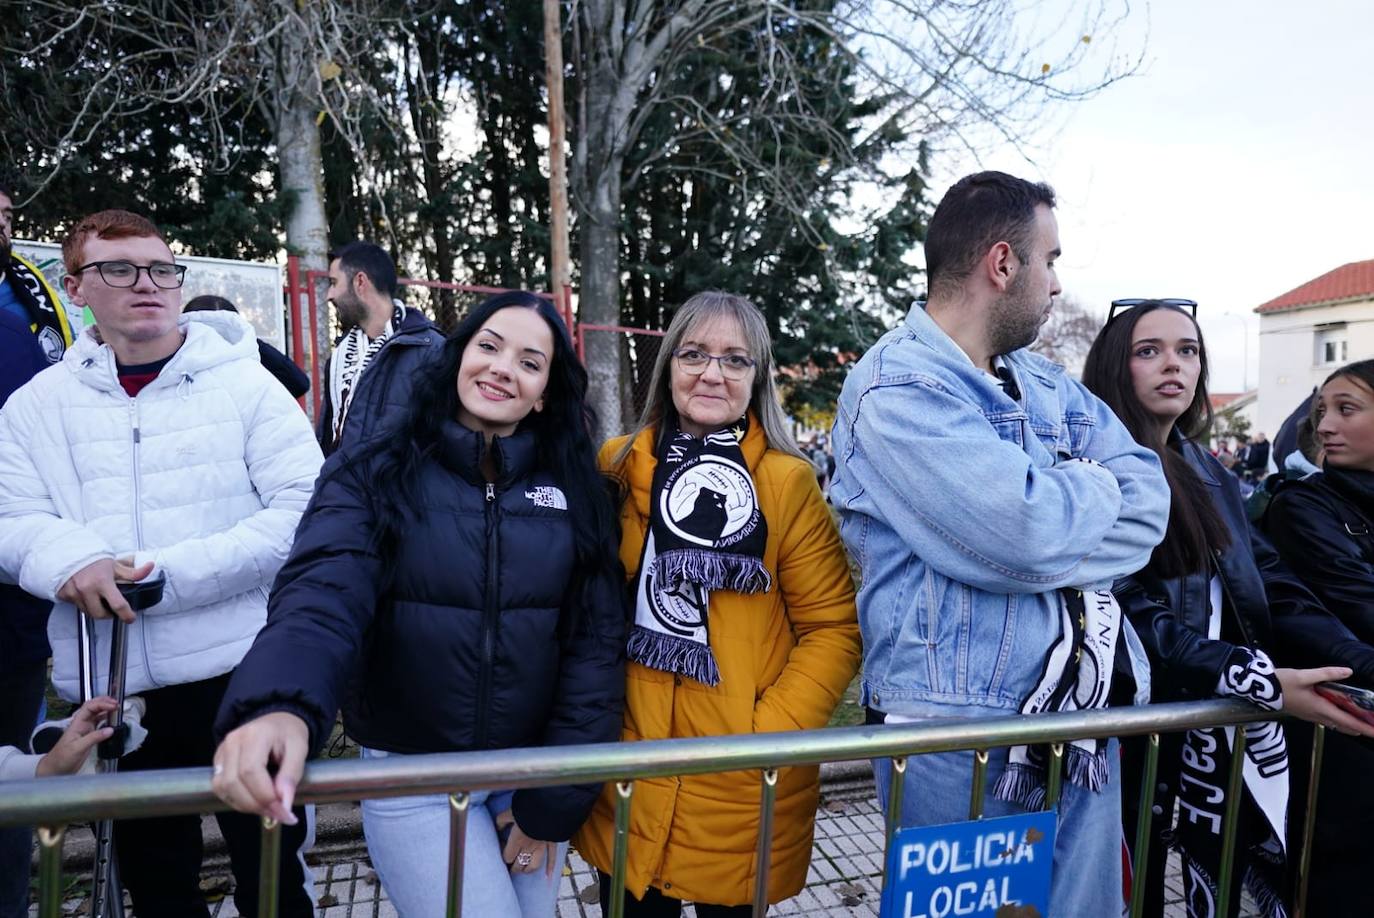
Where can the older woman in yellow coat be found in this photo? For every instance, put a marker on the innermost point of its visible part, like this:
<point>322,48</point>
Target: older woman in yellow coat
<point>744,615</point>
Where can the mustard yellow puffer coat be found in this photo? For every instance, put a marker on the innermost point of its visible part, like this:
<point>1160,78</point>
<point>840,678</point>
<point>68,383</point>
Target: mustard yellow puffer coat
<point>785,658</point>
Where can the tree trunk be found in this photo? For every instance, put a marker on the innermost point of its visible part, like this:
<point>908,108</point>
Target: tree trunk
<point>599,303</point>
<point>302,177</point>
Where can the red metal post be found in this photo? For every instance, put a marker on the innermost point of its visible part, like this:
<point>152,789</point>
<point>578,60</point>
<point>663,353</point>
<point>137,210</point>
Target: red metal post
<point>293,308</point>
<point>317,359</point>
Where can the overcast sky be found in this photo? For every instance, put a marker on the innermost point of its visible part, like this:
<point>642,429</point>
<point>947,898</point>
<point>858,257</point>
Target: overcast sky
<point>1237,165</point>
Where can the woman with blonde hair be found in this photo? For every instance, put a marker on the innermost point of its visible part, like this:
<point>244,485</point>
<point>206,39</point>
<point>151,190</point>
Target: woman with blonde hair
<point>744,615</point>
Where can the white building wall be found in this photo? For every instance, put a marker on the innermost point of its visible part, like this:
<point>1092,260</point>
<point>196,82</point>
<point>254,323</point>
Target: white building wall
<point>1291,362</point>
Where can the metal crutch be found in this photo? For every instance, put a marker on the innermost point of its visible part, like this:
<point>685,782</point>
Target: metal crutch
<point>107,896</point>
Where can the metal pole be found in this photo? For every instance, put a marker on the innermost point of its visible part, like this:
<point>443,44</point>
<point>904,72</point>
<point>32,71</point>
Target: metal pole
<point>107,898</point>
<point>458,807</point>
<point>269,868</point>
<point>1245,348</point>
<point>1144,818</point>
<point>1309,823</point>
<point>623,791</point>
<point>765,849</point>
<point>1054,781</point>
<point>50,870</point>
<point>1230,829</point>
<point>980,782</point>
<point>317,356</point>
<point>894,801</point>
<point>559,271</point>
<point>69,800</point>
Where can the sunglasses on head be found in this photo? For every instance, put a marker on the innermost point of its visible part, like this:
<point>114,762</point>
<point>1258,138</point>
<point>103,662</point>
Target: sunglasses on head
<point>1120,306</point>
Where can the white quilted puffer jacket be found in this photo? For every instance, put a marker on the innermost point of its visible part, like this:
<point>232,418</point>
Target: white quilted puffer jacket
<point>206,473</point>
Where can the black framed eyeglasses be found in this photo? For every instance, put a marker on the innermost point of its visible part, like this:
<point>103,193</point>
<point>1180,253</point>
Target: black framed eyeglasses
<point>732,366</point>
<point>125,274</point>
<point>1119,306</point>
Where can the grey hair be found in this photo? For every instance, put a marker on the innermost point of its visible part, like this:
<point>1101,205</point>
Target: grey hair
<point>763,397</point>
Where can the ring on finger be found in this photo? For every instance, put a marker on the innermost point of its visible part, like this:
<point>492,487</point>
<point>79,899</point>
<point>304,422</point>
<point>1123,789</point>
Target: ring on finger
<point>524,859</point>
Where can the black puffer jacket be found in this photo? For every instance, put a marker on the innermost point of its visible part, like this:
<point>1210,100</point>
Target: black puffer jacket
<point>479,641</point>
<point>384,388</point>
<point>1264,605</point>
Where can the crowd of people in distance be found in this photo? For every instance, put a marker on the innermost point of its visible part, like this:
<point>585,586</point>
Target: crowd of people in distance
<point>449,561</point>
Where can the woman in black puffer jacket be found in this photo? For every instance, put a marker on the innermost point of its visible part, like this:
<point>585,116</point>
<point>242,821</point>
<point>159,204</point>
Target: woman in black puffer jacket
<point>1323,526</point>
<point>1211,608</point>
<point>454,587</point>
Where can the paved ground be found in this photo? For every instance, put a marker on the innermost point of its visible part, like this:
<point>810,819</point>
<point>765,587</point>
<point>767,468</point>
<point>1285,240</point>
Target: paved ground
<point>844,880</point>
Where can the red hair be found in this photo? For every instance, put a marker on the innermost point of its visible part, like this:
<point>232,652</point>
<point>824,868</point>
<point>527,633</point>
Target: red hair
<point>107,224</point>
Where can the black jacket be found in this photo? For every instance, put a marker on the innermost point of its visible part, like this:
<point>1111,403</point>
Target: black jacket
<point>480,639</point>
<point>1264,606</point>
<point>281,366</point>
<point>23,618</point>
<point>384,388</point>
<point>1323,526</point>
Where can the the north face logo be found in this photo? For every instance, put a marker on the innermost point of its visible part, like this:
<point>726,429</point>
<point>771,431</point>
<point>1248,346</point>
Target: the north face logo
<point>548,496</point>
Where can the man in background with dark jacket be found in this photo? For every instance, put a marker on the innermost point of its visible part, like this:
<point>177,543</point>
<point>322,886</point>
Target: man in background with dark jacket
<point>369,376</point>
<point>23,639</point>
<point>26,294</point>
<point>33,334</point>
<point>1257,457</point>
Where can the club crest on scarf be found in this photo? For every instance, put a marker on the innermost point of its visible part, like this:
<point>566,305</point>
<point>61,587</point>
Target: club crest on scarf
<point>705,533</point>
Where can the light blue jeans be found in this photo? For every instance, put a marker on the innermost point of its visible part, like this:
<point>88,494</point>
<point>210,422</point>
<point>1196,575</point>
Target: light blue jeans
<point>407,838</point>
<point>1087,845</point>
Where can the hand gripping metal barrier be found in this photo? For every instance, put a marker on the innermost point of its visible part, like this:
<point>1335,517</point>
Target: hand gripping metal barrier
<point>53,803</point>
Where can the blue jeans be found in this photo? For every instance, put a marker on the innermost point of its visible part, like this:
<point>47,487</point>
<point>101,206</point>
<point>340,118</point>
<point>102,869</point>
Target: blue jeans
<point>1087,844</point>
<point>408,840</point>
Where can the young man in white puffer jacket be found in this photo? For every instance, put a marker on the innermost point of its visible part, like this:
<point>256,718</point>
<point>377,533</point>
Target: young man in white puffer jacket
<point>158,445</point>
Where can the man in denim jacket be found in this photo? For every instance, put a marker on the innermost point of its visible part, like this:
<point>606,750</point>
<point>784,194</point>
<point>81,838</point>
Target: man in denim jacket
<point>974,480</point>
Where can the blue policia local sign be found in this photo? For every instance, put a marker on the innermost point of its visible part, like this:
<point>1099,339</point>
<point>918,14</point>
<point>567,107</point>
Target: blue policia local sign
<point>999,868</point>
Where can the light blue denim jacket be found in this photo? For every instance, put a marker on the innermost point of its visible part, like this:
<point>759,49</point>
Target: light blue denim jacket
<point>964,513</point>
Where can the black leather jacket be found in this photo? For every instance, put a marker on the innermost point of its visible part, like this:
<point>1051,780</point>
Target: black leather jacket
<point>1264,605</point>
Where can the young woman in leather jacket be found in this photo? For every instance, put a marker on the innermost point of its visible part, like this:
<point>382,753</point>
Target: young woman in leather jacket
<point>1211,607</point>
<point>1323,528</point>
<point>454,586</point>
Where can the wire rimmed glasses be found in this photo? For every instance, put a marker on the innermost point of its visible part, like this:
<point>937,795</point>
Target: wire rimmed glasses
<point>732,366</point>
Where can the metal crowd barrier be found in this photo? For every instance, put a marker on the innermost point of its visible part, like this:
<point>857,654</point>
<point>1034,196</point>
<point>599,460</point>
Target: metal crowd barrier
<point>54,803</point>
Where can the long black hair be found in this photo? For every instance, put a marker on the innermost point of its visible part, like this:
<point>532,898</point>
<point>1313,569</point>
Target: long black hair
<point>1195,526</point>
<point>562,434</point>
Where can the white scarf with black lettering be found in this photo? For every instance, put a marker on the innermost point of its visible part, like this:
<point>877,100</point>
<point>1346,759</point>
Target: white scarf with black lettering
<point>1076,676</point>
<point>1203,773</point>
<point>352,355</point>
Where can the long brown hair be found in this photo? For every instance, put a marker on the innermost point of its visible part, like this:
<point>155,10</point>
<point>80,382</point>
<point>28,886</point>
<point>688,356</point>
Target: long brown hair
<point>763,398</point>
<point>1195,526</point>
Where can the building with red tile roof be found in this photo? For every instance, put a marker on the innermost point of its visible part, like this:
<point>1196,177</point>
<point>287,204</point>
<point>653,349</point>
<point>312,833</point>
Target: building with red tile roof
<point>1354,281</point>
<point>1308,332</point>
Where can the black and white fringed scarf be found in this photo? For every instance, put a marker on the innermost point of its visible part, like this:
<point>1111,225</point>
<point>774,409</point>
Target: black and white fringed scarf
<point>351,357</point>
<point>705,533</point>
<point>1206,766</point>
<point>1076,676</point>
